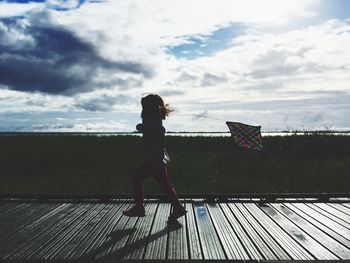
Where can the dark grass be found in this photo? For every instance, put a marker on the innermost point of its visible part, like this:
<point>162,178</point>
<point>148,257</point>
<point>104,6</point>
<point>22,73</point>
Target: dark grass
<point>103,165</point>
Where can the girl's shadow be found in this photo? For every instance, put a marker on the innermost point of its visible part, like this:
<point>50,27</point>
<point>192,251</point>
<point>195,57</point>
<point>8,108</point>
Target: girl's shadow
<point>107,250</point>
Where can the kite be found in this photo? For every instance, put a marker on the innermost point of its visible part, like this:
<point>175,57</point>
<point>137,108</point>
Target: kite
<point>246,136</point>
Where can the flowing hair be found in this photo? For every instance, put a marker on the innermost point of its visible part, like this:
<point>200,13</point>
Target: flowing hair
<point>153,106</point>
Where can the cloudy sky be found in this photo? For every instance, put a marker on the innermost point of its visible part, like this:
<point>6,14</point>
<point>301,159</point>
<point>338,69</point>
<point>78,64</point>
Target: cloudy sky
<point>84,65</point>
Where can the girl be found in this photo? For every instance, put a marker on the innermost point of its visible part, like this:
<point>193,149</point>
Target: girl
<point>155,157</point>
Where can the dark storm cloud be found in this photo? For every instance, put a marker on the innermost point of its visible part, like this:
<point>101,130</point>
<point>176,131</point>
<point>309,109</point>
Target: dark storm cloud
<point>52,59</point>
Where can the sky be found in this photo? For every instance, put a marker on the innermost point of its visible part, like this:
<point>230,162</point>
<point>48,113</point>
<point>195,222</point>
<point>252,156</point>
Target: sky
<point>83,66</point>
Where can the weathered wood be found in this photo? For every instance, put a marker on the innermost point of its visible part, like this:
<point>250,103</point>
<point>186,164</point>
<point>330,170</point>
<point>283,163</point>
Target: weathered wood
<point>49,234</point>
<point>16,221</point>
<point>24,235</point>
<point>338,232</point>
<point>135,246</point>
<point>343,216</point>
<point>211,231</point>
<point>101,231</point>
<point>83,246</point>
<point>111,219</point>
<point>247,243</point>
<point>294,249</point>
<point>83,229</point>
<point>229,239</point>
<point>119,237</point>
<point>303,238</point>
<point>177,239</point>
<point>69,231</point>
<point>157,239</point>
<point>210,241</point>
<point>265,250</point>
<point>13,210</point>
<point>341,208</point>
<point>330,215</point>
<point>265,236</point>
<point>194,246</point>
<point>332,245</point>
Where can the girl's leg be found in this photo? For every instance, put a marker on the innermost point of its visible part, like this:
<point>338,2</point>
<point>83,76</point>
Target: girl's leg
<point>141,173</point>
<point>162,178</point>
<point>137,180</point>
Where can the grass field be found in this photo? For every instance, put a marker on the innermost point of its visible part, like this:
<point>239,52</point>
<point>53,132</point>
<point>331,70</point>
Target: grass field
<point>103,165</point>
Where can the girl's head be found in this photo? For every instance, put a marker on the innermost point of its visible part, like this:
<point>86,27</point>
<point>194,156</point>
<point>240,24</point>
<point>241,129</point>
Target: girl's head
<point>153,107</point>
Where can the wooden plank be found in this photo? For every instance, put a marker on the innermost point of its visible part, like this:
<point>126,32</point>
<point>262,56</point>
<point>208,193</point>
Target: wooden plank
<point>103,241</point>
<point>247,243</point>
<point>118,238</point>
<point>335,212</point>
<point>25,234</point>
<point>83,229</point>
<point>157,240</point>
<point>341,208</point>
<point>210,241</point>
<point>81,250</point>
<point>111,234</point>
<point>264,234</point>
<point>48,232</point>
<point>329,215</point>
<point>62,235</point>
<point>102,230</point>
<point>305,232</point>
<point>12,210</point>
<point>18,213</point>
<point>74,229</point>
<point>336,231</point>
<point>265,250</point>
<point>137,241</point>
<point>294,249</point>
<point>177,239</point>
<point>13,224</point>
<point>195,250</point>
<point>332,245</point>
<point>229,239</point>
<point>314,247</point>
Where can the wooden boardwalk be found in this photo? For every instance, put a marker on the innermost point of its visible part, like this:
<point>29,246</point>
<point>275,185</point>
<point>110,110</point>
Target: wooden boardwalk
<point>246,230</point>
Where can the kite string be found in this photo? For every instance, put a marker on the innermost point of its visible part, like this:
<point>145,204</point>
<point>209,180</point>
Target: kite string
<point>200,116</point>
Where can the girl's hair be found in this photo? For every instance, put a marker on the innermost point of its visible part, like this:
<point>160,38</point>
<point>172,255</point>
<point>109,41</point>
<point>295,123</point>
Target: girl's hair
<point>153,106</point>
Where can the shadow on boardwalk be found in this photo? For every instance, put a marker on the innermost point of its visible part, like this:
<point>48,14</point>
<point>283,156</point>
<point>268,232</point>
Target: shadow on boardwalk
<point>112,251</point>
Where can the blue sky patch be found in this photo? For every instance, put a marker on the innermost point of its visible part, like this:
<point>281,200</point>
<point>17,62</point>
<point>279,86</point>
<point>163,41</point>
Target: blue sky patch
<point>25,1</point>
<point>59,7</point>
<point>202,45</point>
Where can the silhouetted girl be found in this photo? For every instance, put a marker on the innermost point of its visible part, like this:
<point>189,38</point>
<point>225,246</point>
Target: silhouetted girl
<point>155,157</point>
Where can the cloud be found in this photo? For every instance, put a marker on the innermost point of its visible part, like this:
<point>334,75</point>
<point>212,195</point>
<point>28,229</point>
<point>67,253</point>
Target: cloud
<point>212,80</point>
<point>171,92</point>
<point>102,103</point>
<point>98,58</point>
<point>52,59</point>
<point>8,9</point>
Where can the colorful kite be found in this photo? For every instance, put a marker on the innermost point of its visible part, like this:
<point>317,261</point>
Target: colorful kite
<point>246,136</point>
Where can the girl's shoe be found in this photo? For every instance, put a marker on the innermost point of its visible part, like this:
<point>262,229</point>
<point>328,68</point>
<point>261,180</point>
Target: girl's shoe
<point>178,212</point>
<point>135,211</point>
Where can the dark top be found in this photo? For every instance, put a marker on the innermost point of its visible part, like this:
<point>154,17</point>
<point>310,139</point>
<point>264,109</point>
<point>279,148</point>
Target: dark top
<point>153,140</point>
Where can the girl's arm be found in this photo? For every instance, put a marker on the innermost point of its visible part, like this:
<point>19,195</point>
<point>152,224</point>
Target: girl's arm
<point>139,127</point>
<point>151,128</point>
